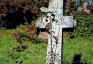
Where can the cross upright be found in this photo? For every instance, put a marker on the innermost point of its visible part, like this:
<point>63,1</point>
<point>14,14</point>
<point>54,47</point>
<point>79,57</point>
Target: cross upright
<point>54,48</point>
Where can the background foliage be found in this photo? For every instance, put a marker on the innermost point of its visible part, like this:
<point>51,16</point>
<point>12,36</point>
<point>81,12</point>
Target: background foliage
<point>85,26</point>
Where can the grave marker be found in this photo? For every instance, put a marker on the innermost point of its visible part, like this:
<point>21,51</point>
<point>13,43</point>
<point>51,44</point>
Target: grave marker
<point>54,48</point>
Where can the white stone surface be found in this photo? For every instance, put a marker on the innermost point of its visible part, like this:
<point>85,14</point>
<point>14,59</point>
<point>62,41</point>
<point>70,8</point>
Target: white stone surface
<point>41,23</point>
<point>44,9</point>
<point>85,5</point>
<point>54,48</point>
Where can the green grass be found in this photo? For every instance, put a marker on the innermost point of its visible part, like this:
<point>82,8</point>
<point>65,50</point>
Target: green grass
<point>78,46</point>
<point>36,53</point>
<point>6,45</point>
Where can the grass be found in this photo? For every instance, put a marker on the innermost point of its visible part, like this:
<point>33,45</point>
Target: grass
<point>6,45</point>
<point>36,53</point>
<point>78,46</point>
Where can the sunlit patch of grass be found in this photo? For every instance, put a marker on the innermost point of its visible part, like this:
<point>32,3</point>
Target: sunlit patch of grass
<point>6,45</point>
<point>81,46</point>
<point>34,54</point>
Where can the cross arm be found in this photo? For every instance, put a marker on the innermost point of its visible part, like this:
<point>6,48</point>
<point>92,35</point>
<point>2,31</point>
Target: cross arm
<point>66,22</point>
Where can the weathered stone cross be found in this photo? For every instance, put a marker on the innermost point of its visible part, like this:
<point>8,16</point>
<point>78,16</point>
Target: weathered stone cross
<point>54,49</point>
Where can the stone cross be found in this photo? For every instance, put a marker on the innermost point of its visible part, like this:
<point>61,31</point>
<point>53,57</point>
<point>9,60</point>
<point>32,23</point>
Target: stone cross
<point>54,48</point>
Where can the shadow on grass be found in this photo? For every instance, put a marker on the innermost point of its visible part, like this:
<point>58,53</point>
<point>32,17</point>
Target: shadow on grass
<point>77,59</point>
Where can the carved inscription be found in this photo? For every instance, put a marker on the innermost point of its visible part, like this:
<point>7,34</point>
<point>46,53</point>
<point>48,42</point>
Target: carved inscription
<point>54,49</point>
<point>65,21</point>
